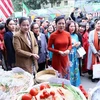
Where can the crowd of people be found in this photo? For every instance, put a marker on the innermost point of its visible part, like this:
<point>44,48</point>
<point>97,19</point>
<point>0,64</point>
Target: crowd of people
<point>35,46</point>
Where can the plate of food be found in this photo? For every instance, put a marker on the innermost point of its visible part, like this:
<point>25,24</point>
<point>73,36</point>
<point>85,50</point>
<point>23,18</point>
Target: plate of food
<point>48,91</point>
<point>12,82</point>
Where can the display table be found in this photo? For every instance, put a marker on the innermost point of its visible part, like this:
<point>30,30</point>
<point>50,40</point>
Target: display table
<point>48,91</point>
<point>17,82</point>
<point>14,81</point>
<point>56,85</point>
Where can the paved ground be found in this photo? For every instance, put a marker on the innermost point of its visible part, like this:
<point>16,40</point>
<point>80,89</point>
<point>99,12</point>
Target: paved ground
<point>87,83</point>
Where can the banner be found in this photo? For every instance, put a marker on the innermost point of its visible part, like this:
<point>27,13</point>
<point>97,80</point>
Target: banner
<point>26,11</point>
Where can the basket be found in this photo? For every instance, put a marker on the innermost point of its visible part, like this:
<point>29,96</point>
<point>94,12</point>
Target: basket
<point>45,75</point>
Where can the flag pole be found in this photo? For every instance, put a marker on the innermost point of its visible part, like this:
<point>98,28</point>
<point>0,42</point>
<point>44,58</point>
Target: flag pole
<point>22,8</point>
<point>23,12</point>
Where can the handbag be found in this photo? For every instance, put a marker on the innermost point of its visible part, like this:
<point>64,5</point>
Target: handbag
<point>96,70</point>
<point>80,52</point>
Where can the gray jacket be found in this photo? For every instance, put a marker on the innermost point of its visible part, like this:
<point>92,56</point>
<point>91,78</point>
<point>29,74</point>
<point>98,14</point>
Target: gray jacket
<point>43,54</point>
<point>91,49</point>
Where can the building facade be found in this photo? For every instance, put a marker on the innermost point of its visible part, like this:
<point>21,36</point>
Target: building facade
<point>64,6</point>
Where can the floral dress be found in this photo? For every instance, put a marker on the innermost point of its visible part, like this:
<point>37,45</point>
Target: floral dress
<point>74,63</point>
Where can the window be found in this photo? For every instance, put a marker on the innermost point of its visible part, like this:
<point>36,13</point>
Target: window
<point>65,3</point>
<point>58,4</point>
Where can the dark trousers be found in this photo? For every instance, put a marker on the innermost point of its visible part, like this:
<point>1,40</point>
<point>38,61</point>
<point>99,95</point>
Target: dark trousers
<point>49,62</point>
<point>0,55</point>
<point>80,65</point>
<point>41,66</point>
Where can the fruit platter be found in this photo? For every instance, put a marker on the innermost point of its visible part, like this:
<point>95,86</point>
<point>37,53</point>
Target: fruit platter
<point>51,91</point>
<point>14,81</point>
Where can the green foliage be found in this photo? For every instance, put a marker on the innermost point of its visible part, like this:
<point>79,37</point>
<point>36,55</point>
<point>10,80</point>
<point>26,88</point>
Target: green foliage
<point>17,5</point>
<point>32,4</point>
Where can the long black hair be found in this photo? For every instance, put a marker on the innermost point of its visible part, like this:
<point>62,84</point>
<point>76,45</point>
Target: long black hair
<point>6,24</point>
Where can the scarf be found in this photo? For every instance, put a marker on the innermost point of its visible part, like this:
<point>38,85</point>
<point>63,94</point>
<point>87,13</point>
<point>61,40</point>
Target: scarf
<point>38,39</point>
<point>96,45</point>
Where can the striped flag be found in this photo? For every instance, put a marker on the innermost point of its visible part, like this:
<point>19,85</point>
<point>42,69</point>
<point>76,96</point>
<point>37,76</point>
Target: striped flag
<point>6,9</point>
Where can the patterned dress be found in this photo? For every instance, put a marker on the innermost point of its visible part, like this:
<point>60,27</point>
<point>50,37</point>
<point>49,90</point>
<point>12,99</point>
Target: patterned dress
<point>74,63</point>
<point>50,53</point>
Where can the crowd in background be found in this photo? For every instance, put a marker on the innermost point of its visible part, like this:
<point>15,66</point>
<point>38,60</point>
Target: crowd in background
<point>35,46</point>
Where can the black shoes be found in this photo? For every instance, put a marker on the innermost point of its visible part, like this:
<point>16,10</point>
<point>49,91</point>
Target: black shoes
<point>95,80</point>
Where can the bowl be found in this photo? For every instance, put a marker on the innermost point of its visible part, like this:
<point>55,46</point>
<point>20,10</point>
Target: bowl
<point>45,75</point>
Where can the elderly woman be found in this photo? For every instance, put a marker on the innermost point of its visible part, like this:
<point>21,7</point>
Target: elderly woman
<point>42,46</point>
<point>26,48</point>
<point>94,47</point>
